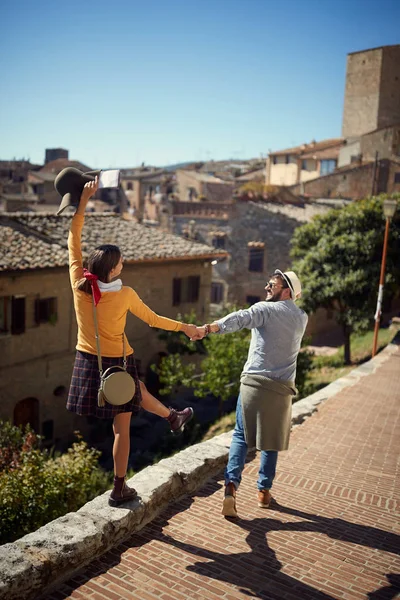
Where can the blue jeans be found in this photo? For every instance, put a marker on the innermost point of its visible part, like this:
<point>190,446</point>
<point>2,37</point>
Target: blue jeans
<point>237,457</point>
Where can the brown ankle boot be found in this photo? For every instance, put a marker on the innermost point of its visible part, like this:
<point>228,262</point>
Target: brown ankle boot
<point>121,492</point>
<point>264,498</point>
<point>177,419</point>
<point>229,504</point>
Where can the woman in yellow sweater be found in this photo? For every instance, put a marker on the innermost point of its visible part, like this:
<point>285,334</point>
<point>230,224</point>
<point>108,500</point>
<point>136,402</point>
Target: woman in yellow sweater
<point>113,302</point>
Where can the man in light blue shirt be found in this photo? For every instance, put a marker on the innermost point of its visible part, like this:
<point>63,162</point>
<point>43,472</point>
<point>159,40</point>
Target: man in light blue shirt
<point>263,414</point>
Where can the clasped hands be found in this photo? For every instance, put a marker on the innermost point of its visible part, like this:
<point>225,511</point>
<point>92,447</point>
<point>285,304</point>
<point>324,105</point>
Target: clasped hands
<point>193,332</point>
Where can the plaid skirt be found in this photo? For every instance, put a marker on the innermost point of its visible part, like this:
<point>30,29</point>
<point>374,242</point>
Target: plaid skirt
<point>85,382</point>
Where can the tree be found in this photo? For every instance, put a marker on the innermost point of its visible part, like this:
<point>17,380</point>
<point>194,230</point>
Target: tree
<point>337,258</point>
<point>220,368</point>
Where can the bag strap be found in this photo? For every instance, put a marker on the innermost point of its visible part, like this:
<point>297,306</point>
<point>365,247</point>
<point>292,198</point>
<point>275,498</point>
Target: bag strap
<point>96,328</point>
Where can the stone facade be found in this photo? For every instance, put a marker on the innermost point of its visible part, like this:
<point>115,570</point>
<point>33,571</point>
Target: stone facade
<point>37,320</point>
<point>354,182</point>
<point>36,365</point>
<point>193,186</point>
<point>372,94</point>
<point>243,229</point>
<point>385,142</point>
<point>302,163</point>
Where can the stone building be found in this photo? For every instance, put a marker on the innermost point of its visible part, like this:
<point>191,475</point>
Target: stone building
<point>372,93</point>
<point>302,163</point>
<point>368,160</point>
<point>257,237</point>
<point>37,322</point>
<point>55,153</point>
<point>355,181</point>
<point>193,186</point>
<point>146,189</point>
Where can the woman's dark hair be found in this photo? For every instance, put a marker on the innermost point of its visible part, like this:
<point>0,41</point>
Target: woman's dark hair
<point>101,262</point>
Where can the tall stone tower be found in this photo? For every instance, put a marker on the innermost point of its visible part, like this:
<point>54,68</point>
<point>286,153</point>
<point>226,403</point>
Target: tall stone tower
<point>372,95</point>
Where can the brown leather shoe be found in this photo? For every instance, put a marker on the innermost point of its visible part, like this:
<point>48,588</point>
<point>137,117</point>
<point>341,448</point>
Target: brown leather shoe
<point>229,504</point>
<point>177,419</point>
<point>121,492</point>
<point>264,498</point>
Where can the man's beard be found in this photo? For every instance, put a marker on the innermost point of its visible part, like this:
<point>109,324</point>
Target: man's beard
<point>275,297</point>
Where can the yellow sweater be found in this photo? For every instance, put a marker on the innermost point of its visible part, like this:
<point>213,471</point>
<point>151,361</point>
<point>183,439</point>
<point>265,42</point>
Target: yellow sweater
<point>111,310</point>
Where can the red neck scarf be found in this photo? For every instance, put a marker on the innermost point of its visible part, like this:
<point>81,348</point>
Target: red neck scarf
<point>93,282</point>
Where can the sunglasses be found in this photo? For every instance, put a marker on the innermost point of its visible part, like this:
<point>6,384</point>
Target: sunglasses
<point>272,285</point>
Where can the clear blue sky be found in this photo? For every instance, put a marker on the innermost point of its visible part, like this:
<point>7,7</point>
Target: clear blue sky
<point>118,83</point>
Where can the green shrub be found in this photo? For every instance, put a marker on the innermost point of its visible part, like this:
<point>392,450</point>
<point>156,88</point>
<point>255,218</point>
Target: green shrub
<point>36,488</point>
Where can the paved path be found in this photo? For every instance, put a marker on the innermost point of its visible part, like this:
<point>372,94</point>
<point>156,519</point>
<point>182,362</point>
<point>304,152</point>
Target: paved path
<point>333,532</point>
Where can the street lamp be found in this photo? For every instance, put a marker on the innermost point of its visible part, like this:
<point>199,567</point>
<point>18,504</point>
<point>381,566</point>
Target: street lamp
<point>389,208</point>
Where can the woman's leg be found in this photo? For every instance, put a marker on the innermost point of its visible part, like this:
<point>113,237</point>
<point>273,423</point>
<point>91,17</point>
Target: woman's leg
<point>151,404</point>
<point>121,427</point>
<point>177,419</point>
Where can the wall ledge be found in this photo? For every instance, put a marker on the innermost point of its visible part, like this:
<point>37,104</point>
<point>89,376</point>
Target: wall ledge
<point>40,561</point>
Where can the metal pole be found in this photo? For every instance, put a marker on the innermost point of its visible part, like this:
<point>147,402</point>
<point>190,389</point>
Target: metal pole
<point>380,291</point>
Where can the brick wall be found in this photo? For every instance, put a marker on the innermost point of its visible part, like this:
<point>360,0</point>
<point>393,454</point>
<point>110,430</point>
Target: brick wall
<point>353,183</point>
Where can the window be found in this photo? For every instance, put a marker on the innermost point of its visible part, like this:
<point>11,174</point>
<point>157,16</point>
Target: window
<point>217,292</point>
<point>129,185</point>
<point>27,411</point>
<point>45,310</point>
<point>192,193</point>
<point>176,291</point>
<point>12,314</point>
<point>287,159</point>
<point>5,314</point>
<point>397,177</point>
<point>256,257</point>
<point>18,315</point>
<point>193,288</point>
<point>250,300</point>
<point>185,289</point>
<point>274,160</point>
<point>304,165</point>
<point>218,240</point>
<point>48,430</point>
<point>327,166</point>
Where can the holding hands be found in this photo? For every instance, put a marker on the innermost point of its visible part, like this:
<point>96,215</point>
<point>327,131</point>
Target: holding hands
<point>198,333</point>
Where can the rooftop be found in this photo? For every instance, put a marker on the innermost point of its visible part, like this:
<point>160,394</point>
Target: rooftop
<point>39,240</point>
<point>55,166</point>
<point>310,148</point>
<point>204,177</point>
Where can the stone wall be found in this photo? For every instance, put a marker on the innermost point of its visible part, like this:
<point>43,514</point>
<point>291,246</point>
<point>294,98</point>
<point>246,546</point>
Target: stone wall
<point>372,94</point>
<point>361,100</point>
<point>353,183</point>
<point>384,141</point>
<point>37,563</point>
<point>246,222</point>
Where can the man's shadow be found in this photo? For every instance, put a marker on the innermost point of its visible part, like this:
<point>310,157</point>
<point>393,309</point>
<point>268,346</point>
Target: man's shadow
<point>256,572</point>
<point>339,529</point>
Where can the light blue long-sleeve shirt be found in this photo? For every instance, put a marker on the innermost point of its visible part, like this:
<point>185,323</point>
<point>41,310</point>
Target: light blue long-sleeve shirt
<point>277,329</point>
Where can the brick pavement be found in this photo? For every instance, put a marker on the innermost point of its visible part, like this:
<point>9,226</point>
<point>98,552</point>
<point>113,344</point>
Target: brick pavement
<point>333,532</point>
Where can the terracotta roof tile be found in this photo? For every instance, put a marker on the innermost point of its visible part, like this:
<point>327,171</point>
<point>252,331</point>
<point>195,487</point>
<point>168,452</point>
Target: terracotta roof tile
<point>309,148</point>
<point>40,240</point>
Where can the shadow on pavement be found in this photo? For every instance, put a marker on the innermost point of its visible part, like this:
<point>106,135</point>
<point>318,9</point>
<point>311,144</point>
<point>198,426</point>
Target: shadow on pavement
<point>256,573</point>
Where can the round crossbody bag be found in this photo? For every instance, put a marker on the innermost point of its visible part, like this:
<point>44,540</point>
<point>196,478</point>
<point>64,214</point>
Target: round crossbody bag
<point>117,387</point>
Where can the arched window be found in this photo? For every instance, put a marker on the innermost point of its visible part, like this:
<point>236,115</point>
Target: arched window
<point>129,185</point>
<point>27,411</point>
